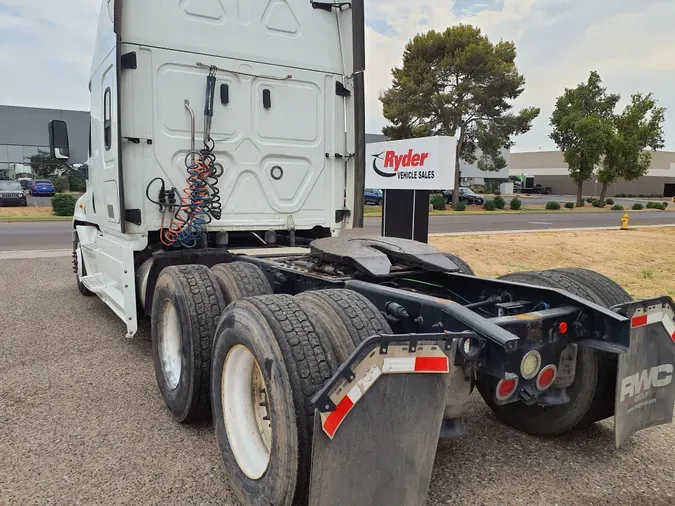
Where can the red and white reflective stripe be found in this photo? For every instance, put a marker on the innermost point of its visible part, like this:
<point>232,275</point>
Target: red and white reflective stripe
<point>670,327</point>
<point>416,364</point>
<point>335,418</point>
<point>646,319</point>
<point>652,318</point>
<point>428,364</point>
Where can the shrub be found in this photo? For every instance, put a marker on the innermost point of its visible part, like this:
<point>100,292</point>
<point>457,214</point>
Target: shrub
<point>638,206</point>
<point>77,184</point>
<point>609,202</point>
<point>498,193</point>
<point>553,205</point>
<point>63,204</point>
<point>582,204</point>
<point>590,199</point>
<point>652,205</point>
<point>660,206</point>
<point>59,184</point>
<point>617,207</point>
<point>461,206</point>
<point>489,205</point>
<point>500,203</point>
<point>515,204</point>
<point>438,202</point>
<point>620,195</point>
<point>569,205</point>
<point>664,204</point>
<point>630,195</point>
<point>596,203</point>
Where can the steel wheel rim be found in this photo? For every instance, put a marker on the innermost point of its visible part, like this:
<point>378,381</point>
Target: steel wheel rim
<point>246,412</point>
<point>170,353</point>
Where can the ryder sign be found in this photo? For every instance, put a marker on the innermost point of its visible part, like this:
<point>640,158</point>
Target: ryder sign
<point>426,163</point>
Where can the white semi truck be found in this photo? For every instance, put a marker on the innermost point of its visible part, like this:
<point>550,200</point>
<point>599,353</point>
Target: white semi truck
<point>227,158</point>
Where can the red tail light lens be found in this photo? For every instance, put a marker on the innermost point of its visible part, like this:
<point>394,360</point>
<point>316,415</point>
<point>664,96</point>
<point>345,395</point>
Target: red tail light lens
<point>506,388</point>
<point>546,377</point>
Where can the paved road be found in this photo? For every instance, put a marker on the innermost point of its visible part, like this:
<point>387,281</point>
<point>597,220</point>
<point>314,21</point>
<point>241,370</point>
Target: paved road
<point>82,422</point>
<point>56,235</point>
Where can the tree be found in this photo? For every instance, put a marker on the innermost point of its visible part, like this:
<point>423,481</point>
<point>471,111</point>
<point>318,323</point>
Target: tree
<point>639,127</point>
<point>43,165</point>
<point>582,125</point>
<point>457,83</point>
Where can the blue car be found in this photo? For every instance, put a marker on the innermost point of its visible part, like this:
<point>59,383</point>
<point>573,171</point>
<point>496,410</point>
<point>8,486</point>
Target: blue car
<point>373,196</point>
<point>42,187</point>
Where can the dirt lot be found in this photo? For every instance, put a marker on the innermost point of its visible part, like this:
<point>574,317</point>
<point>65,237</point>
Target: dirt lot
<point>82,422</point>
<point>641,260</point>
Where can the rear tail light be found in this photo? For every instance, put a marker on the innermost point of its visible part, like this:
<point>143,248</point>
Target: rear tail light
<point>546,377</point>
<point>506,388</point>
<point>529,366</point>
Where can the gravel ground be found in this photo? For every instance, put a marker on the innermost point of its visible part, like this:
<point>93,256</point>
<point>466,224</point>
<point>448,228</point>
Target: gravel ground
<point>82,422</point>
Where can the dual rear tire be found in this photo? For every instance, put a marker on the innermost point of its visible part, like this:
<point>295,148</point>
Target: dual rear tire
<point>225,347</point>
<point>296,343</point>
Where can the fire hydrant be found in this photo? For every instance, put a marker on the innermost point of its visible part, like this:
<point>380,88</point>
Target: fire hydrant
<point>624,222</point>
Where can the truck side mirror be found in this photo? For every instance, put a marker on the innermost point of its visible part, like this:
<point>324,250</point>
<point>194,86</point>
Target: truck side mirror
<point>58,140</point>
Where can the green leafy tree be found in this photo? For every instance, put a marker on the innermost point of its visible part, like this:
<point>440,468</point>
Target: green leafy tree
<point>458,83</point>
<point>582,124</point>
<point>43,165</point>
<point>639,127</point>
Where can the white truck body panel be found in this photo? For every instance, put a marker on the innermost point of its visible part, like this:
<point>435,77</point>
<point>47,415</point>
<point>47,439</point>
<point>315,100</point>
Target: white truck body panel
<point>141,129</point>
<point>287,47</point>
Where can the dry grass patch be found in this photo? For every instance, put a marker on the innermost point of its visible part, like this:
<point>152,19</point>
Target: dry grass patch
<point>36,213</point>
<point>640,260</point>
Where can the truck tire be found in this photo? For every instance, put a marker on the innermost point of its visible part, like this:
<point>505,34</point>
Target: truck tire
<point>267,364</point>
<point>584,393</point>
<point>343,319</point>
<point>607,293</point>
<point>464,268</point>
<point>238,280</point>
<point>79,268</point>
<point>186,308</point>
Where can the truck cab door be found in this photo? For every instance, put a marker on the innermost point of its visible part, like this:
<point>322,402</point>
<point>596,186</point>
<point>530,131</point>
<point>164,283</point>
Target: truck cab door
<point>107,184</point>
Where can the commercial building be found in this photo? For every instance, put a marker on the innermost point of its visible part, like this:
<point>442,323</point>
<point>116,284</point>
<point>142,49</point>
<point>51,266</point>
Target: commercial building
<point>24,145</point>
<point>549,169</point>
<point>24,138</point>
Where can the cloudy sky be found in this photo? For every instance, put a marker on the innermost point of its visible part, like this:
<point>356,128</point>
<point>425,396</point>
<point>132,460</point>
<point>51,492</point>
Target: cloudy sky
<point>46,45</point>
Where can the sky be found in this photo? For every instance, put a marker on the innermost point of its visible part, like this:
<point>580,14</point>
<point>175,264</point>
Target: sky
<point>46,48</point>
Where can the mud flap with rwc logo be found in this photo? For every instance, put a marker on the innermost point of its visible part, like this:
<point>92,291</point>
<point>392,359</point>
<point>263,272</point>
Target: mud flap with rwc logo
<point>377,442</point>
<point>645,390</point>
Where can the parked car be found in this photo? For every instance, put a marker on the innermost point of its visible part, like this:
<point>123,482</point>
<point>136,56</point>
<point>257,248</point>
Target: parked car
<point>465,195</point>
<point>42,187</point>
<point>373,196</point>
<point>26,183</point>
<point>11,194</point>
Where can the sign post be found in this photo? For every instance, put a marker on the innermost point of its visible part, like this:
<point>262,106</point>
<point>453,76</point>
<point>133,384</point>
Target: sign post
<point>406,171</point>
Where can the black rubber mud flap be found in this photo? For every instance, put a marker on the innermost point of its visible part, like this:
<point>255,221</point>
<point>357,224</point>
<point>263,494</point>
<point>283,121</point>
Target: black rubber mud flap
<point>378,444</point>
<point>645,390</point>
